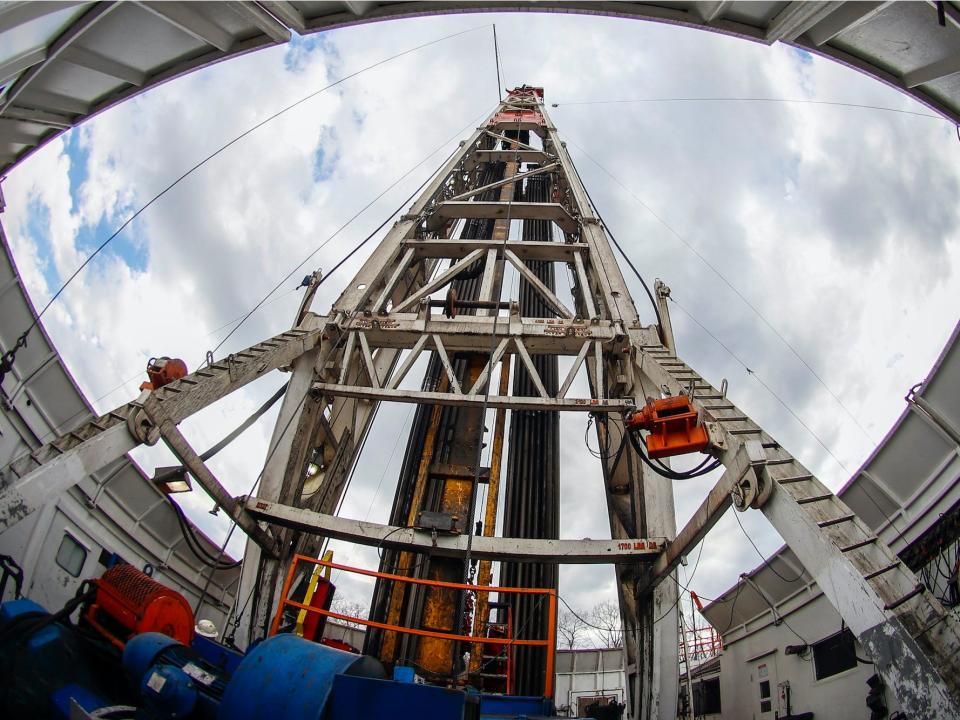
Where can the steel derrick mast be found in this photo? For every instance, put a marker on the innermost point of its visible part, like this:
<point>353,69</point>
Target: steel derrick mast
<point>508,198</point>
<point>508,203</point>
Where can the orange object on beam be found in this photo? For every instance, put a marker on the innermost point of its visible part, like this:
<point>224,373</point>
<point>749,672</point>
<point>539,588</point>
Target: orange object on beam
<point>673,424</point>
<point>163,371</point>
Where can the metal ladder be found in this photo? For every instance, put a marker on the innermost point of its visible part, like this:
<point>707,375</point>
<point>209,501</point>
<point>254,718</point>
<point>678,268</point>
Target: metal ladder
<point>37,476</point>
<point>823,531</point>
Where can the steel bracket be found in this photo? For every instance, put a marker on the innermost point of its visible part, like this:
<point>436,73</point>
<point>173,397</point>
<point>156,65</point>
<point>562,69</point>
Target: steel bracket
<point>755,486</point>
<point>141,427</point>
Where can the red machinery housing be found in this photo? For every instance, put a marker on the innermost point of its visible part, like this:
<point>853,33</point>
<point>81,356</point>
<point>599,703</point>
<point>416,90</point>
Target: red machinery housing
<point>674,426</point>
<point>129,602</point>
<point>163,371</point>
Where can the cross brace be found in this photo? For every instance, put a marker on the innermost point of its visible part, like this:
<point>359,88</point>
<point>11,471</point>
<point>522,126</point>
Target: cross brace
<point>483,548</point>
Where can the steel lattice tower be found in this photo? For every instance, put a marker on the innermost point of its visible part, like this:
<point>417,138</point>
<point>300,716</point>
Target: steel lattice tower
<point>509,196</point>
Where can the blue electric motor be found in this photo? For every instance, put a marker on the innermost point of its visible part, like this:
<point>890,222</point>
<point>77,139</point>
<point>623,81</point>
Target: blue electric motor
<point>174,681</point>
<point>288,677</point>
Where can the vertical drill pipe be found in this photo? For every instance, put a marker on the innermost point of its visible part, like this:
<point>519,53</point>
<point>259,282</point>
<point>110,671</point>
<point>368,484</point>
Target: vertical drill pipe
<point>432,436</point>
<point>531,498</point>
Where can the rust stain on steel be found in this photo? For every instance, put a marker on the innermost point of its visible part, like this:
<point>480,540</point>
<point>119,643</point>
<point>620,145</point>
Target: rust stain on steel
<point>440,607</point>
<point>388,648</point>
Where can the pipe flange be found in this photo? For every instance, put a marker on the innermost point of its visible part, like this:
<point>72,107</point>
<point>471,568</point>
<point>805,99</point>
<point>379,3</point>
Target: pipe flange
<point>141,427</point>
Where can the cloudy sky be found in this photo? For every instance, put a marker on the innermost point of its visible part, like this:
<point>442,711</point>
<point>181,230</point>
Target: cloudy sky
<point>839,224</point>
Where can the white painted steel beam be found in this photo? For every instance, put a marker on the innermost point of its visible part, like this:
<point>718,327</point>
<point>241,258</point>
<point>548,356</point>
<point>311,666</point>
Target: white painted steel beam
<point>934,71</point>
<point>268,24</point>
<point>16,65</point>
<point>286,12</point>
<point>573,552</point>
<point>16,14</point>
<point>797,18</point>
<point>189,20</point>
<point>19,497</point>
<point>553,212</point>
<point>94,61</point>
<point>510,402</point>
<point>848,16</point>
<point>523,249</point>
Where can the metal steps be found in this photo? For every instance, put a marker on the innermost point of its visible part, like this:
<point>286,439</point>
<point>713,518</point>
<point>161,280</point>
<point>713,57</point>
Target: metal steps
<point>819,516</point>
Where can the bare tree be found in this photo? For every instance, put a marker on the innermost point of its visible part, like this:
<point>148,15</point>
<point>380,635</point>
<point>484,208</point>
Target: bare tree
<point>607,626</point>
<point>346,606</point>
<point>572,631</point>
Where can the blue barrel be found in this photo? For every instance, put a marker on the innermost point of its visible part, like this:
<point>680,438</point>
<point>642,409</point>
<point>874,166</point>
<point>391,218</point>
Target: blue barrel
<point>284,677</point>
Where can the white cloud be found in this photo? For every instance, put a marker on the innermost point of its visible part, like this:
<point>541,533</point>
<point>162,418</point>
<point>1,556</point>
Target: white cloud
<point>840,224</point>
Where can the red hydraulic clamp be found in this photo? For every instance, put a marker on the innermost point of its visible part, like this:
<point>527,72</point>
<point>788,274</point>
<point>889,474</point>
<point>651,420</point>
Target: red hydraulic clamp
<point>673,424</point>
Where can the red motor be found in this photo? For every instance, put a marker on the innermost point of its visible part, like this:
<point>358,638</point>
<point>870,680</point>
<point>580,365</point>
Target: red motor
<point>163,371</point>
<point>129,602</point>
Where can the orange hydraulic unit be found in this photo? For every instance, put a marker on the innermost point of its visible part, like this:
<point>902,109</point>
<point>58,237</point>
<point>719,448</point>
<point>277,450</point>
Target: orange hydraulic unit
<point>163,371</point>
<point>673,424</point>
<point>129,602</point>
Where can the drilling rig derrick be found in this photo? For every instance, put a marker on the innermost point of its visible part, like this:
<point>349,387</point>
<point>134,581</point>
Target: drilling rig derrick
<point>508,206</point>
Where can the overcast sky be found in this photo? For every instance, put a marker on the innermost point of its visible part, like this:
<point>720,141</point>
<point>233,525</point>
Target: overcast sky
<point>839,224</point>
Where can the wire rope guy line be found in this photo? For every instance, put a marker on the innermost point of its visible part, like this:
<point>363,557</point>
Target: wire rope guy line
<point>756,311</point>
<point>7,359</point>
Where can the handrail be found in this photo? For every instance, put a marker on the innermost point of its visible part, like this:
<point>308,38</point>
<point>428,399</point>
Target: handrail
<point>550,642</point>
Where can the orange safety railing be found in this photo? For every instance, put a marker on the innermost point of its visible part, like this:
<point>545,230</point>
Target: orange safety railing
<point>549,643</point>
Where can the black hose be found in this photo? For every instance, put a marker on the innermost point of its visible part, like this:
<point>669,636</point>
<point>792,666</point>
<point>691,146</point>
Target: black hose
<point>666,472</point>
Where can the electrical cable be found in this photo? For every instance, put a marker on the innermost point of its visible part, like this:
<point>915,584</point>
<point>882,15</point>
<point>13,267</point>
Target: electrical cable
<point>342,227</point>
<point>21,341</point>
<point>803,101</point>
<point>233,523</point>
<point>666,472</point>
<point>339,342</point>
<point>790,410</point>
<point>752,373</point>
<point>689,580</point>
<point>729,284</point>
<point>766,561</point>
<point>471,507</point>
<point>653,302</point>
<point>496,57</point>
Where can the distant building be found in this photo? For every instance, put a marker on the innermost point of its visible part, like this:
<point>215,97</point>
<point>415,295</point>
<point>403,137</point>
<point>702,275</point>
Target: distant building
<point>588,676</point>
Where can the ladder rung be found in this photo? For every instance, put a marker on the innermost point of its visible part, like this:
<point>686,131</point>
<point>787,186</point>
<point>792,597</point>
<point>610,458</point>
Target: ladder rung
<point>781,461</point>
<point>719,407</point>
<point>773,445</point>
<point>858,545</point>
<point>794,479</point>
<point>836,521</point>
<point>732,418</point>
<point>707,397</point>
<point>900,601</point>
<point>813,499</point>
<point>746,431</point>
<point>881,571</point>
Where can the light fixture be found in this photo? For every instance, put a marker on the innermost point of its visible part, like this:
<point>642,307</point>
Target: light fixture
<point>172,480</point>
